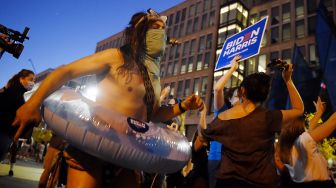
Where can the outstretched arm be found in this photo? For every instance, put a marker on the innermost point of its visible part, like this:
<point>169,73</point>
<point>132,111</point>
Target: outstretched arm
<point>164,113</point>
<point>320,108</point>
<point>324,130</point>
<point>220,84</point>
<point>296,101</point>
<point>96,63</point>
<point>202,125</point>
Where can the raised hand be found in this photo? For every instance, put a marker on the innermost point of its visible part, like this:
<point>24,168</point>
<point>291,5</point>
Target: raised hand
<point>287,72</point>
<point>234,62</point>
<point>319,106</point>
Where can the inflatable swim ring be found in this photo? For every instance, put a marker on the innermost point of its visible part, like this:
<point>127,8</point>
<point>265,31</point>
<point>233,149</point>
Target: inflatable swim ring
<point>113,137</point>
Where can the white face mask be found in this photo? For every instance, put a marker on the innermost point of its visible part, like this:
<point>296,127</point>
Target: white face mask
<point>156,42</point>
<point>30,85</point>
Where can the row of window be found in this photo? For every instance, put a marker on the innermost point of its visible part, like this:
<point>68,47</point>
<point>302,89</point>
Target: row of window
<point>189,48</point>
<point>300,31</point>
<point>192,25</point>
<point>193,10</point>
<point>111,44</point>
<point>233,13</point>
<point>184,88</point>
<point>186,65</point>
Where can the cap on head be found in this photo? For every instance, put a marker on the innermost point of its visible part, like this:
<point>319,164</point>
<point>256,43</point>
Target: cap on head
<point>151,15</point>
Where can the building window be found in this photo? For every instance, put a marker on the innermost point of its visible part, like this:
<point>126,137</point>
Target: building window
<point>198,8</point>
<point>170,69</point>
<point>232,15</point>
<point>185,48</point>
<point>286,12</point>
<point>206,5</point>
<point>162,70</point>
<point>192,10</point>
<point>287,55</point>
<point>299,29</point>
<point>275,16</point>
<point>172,89</point>
<point>181,32</point>
<point>274,35</point>
<point>199,62</point>
<point>192,47</point>
<point>186,88</point>
<point>286,34</point>
<point>189,27</point>
<point>170,20</point>
<point>179,89</point>
<point>206,60</point>
<point>221,36</point>
<point>183,14</point>
<point>183,66</point>
<point>311,6</point>
<point>209,41</point>
<point>204,86</point>
<point>212,18</point>
<point>253,18</point>
<point>175,69</point>
<point>312,53</point>
<point>201,45</point>
<point>177,17</point>
<point>195,27</point>
<point>299,9</point>
<point>251,65</point>
<point>171,52</point>
<point>196,86</point>
<point>263,14</point>
<point>262,63</point>
<point>204,21</point>
<point>311,25</point>
<point>274,55</point>
<point>175,31</point>
<point>177,51</point>
<point>190,64</point>
<point>264,39</point>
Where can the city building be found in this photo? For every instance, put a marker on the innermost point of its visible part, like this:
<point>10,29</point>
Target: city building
<point>202,26</point>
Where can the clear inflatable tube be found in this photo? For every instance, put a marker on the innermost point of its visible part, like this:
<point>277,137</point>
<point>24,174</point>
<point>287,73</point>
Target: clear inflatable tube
<point>113,137</point>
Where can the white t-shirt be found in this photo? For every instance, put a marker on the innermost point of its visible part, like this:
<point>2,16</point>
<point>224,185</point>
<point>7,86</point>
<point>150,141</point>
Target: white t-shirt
<point>308,162</point>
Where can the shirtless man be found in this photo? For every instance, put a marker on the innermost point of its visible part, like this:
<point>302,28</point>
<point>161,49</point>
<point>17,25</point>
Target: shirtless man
<point>129,84</point>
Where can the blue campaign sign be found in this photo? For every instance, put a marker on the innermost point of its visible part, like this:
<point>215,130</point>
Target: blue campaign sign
<point>245,43</point>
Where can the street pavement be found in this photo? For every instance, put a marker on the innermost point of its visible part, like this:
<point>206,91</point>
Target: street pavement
<point>26,174</point>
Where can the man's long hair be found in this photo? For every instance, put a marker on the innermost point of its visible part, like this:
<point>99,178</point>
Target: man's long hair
<point>134,53</point>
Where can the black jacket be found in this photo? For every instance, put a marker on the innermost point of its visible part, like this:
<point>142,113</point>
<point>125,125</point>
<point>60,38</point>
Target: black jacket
<point>10,100</point>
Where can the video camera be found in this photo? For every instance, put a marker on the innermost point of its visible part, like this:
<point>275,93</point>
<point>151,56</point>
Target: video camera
<point>277,64</point>
<point>12,41</point>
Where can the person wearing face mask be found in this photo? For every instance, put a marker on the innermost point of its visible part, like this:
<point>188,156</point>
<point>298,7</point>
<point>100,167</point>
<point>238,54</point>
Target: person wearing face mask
<point>11,98</point>
<point>128,83</point>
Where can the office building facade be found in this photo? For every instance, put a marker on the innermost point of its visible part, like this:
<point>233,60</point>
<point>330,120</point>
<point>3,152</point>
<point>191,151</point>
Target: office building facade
<point>202,26</point>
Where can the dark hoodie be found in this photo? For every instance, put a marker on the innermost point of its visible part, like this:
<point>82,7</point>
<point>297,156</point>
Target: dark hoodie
<point>10,100</point>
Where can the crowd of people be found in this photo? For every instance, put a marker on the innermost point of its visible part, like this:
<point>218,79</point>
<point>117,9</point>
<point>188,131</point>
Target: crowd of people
<point>244,130</point>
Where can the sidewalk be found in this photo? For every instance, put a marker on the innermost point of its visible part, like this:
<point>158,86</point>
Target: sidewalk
<point>26,174</point>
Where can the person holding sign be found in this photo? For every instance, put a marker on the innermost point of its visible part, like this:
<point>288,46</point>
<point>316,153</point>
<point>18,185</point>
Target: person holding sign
<point>246,132</point>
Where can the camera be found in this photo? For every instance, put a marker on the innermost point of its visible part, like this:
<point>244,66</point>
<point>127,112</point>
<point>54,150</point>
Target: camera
<point>277,64</point>
<point>11,41</point>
